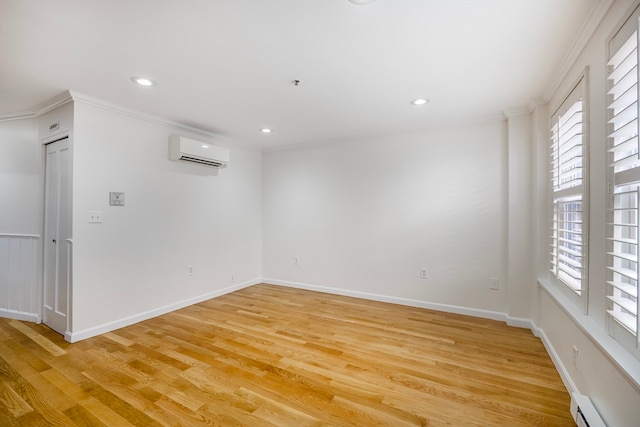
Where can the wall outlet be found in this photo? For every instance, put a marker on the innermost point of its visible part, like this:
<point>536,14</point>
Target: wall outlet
<point>190,270</point>
<point>494,284</point>
<point>574,355</point>
<point>233,278</point>
<point>423,273</point>
<point>296,260</point>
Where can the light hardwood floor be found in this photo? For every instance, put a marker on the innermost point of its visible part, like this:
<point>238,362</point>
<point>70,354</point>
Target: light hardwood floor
<point>273,356</point>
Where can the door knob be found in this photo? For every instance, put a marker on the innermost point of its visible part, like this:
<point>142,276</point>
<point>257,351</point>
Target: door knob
<point>54,240</point>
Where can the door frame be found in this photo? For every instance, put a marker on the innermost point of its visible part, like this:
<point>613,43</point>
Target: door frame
<point>66,134</point>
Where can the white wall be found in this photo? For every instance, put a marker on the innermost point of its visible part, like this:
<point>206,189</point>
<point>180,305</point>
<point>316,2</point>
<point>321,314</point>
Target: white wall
<point>135,263</point>
<point>520,268</point>
<point>365,216</point>
<point>21,177</point>
<point>21,204</point>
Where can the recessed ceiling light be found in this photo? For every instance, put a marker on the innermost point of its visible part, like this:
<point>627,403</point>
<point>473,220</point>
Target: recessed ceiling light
<point>266,130</point>
<point>143,81</point>
<point>420,101</point>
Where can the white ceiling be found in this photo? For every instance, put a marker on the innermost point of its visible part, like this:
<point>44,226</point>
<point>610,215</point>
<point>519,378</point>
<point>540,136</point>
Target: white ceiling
<point>227,66</point>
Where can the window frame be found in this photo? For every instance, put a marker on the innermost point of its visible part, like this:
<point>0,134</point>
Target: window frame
<point>629,178</point>
<point>577,92</point>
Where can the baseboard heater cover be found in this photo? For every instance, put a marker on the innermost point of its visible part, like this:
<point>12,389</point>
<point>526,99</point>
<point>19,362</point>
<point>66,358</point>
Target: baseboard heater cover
<point>584,413</point>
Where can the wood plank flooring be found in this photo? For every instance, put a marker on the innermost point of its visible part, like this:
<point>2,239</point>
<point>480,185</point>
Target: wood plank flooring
<point>274,356</point>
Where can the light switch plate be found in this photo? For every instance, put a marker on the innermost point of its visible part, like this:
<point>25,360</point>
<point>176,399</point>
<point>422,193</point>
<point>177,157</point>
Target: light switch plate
<point>116,198</point>
<point>95,216</point>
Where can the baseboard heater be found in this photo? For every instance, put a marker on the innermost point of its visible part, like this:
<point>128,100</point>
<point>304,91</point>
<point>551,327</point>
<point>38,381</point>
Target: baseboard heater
<point>584,413</point>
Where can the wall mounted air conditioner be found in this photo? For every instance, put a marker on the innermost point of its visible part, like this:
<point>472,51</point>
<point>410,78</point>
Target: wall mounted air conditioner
<point>190,150</point>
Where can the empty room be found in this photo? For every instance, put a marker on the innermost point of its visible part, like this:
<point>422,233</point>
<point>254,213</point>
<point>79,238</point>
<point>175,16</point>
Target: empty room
<point>319,212</point>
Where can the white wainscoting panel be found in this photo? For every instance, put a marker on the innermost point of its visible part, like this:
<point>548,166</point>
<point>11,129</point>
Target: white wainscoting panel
<point>19,276</point>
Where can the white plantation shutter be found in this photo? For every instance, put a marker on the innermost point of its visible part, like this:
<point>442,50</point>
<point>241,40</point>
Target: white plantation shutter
<point>568,239</point>
<point>623,284</point>
<point>568,249</point>
<point>624,164</point>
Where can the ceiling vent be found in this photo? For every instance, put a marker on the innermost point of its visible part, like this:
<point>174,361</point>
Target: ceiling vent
<point>189,150</point>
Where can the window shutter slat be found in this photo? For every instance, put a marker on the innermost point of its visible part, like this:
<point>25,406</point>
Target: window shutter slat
<point>625,272</point>
<point>625,162</point>
<point>621,68</point>
<point>626,115</point>
<point>626,145</point>
<point>626,288</point>
<point>625,50</point>
<point>624,131</point>
<point>629,305</point>
<point>626,319</point>
<point>625,84</point>
<point>626,98</point>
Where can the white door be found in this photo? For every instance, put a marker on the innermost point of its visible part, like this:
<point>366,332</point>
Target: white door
<point>57,232</point>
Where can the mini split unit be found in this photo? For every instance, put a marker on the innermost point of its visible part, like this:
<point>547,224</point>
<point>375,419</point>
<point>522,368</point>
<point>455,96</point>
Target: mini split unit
<point>189,150</point>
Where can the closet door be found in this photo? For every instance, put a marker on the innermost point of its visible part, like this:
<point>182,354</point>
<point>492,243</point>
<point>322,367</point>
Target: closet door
<point>57,232</point>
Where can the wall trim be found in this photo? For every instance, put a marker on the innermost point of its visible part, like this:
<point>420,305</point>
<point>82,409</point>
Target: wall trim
<point>73,96</point>
<point>104,105</point>
<point>41,109</point>
<point>514,112</point>
<point>486,314</point>
<point>590,26</point>
<point>519,322</point>
<point>26,236</point>
<point>19,315</point>
<point>555,358</point>
<point>76,336</point>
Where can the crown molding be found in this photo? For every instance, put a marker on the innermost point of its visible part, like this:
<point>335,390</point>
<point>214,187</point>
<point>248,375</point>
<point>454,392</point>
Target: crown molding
<point>73,96</point>
<point>535,103</point>
<point>514,112</point>
<point>520,111</point>
<point>104,105</point>
<point>598,13</point>
<point>41,109</point>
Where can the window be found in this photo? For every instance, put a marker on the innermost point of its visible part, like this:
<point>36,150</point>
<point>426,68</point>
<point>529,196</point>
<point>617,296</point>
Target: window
<point>624,176</point>
<point>568,225</point>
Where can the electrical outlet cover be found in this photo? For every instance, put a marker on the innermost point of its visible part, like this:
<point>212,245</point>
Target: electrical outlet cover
<point>116,198</point>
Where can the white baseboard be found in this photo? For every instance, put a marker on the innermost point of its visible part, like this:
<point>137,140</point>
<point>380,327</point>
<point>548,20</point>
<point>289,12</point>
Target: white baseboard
<point>520,322</point>
<point>486,314</point>
<point>127,321</point>
<point>19,315</point>
<point>562,370</point>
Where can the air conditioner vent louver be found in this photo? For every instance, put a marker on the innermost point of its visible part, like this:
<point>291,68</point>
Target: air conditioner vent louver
<point>190,150</point>
<point>201,161</point>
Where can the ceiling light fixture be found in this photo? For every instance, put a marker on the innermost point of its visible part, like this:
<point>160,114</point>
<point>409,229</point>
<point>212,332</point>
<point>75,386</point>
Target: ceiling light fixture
<point>420,101</point>
<point>266,130</point>
<point>361,2</point>
<point>143,81</point>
